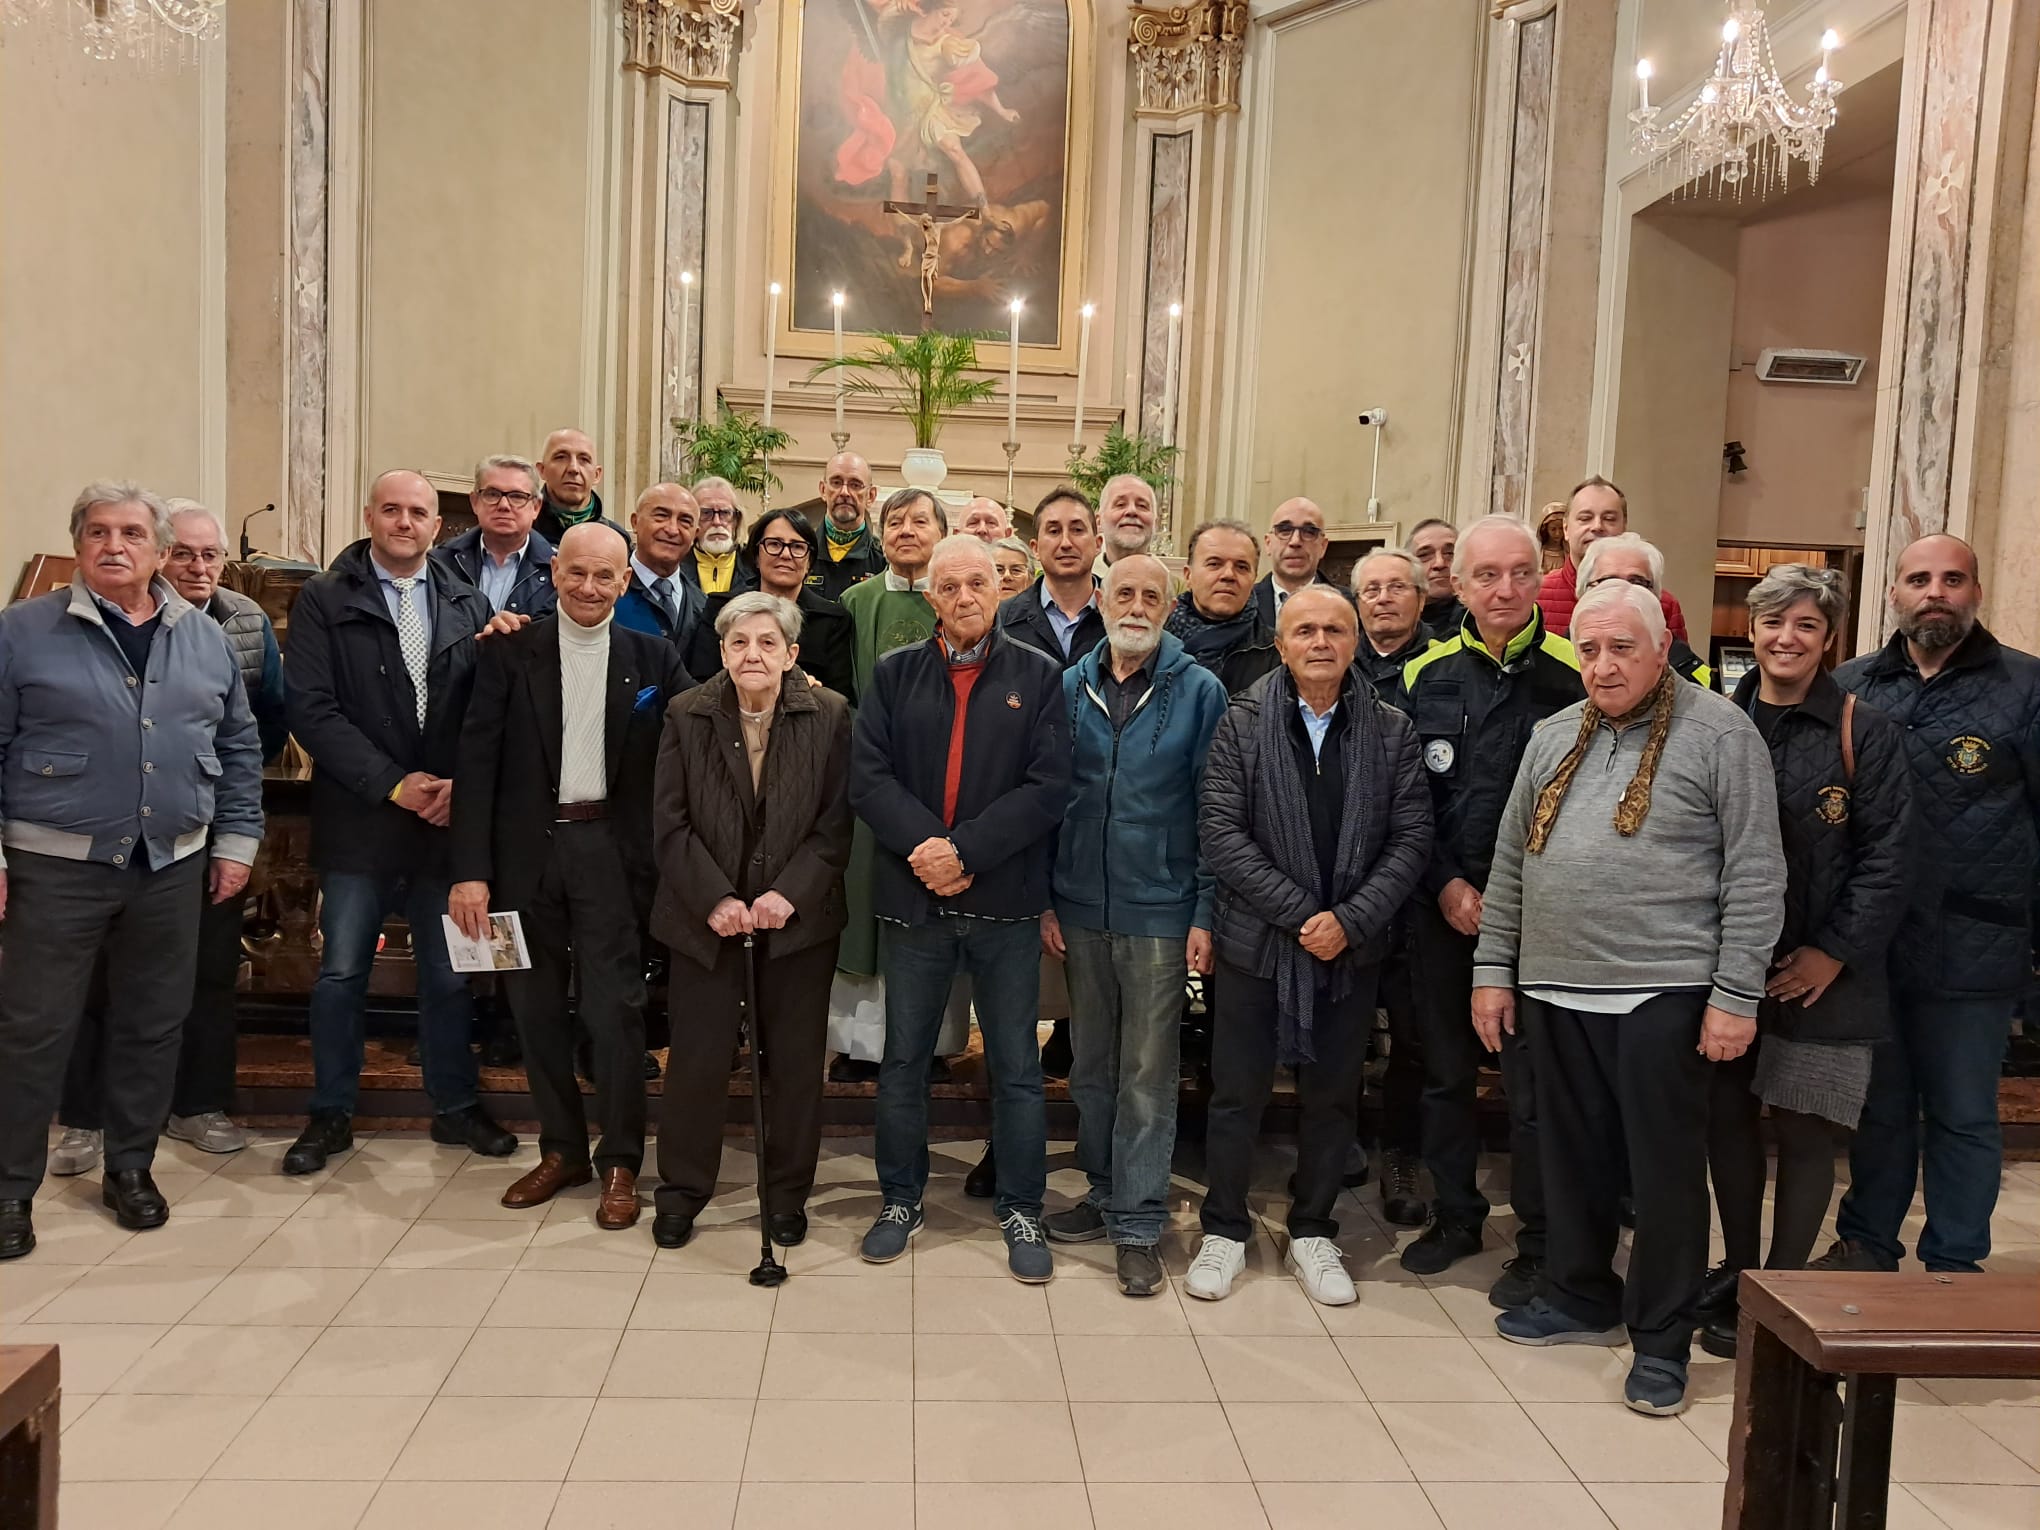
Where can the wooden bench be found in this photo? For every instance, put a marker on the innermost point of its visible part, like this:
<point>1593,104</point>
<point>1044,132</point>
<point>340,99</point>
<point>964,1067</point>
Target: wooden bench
<point>29,1426</point>
<point>1818,1359</point>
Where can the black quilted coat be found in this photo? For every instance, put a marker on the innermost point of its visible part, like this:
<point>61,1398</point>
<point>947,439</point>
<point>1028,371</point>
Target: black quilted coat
<point>1845,857</point>
<point>1972,734</point>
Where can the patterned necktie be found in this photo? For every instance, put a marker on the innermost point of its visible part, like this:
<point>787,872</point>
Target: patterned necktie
<point>411,640</point>
<point>662,591</point>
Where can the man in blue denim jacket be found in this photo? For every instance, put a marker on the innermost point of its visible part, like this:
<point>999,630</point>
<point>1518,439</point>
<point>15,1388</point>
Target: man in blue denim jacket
<point>126,744</point>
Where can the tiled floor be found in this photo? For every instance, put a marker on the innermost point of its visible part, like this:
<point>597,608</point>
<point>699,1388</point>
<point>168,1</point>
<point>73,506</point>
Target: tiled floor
<point>383,1345</point>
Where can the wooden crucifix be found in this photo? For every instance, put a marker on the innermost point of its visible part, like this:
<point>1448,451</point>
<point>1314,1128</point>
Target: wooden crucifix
<point>933,216</point>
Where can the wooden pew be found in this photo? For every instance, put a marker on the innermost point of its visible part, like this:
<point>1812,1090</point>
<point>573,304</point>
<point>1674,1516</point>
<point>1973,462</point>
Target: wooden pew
<point>1818,1359</point>
<point>29,1413</point>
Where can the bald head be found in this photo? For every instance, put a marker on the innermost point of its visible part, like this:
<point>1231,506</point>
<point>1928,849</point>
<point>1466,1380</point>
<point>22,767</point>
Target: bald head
<point>591,570</point>
<point>1127,516</point>
<point>986,520</point>
<point>569,468</point>
<point>665,523</point>
<point>402,516</point>
<point>1936,594</point>
<point>1295,543</point>
<point>848,490</point>
<point>1135,605</point>
<point>1317,634</point>
<point>594,541</point>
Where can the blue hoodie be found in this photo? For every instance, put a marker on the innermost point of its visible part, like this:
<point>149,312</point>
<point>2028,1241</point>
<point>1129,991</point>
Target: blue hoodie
<point>1126,857</point>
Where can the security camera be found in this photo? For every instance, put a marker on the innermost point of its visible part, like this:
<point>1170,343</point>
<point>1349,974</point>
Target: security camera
<point>1374,417</point>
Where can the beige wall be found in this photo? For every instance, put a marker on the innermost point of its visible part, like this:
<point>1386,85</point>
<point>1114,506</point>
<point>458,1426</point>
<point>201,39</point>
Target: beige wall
<point>1813,278</point>
<point>1675,347</point>
<point>101,288</point>
<point>257,161</point>
<point>477,203</point>
<point>1361,294</point>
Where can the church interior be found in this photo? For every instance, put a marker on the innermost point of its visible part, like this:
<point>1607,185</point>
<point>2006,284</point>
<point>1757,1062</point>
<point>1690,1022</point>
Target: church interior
<point>1408,259</point>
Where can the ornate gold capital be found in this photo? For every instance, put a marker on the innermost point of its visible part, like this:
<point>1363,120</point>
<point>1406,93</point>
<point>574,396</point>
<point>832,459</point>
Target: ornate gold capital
<point>692,41</point>
<point>1187,58</point>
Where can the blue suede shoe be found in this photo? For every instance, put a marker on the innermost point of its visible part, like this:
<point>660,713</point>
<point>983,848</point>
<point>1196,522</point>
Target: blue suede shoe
<point>890,1234</point>
<point>1541,1323</point>
<point>1656,1386</point>
<point>1027,1256</point>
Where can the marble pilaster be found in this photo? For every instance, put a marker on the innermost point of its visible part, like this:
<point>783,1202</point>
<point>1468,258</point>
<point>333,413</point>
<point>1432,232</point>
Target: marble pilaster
<point>1523,262</point>
<point>303,511</point>
<point>686,234</point>
<point>1168,267</point>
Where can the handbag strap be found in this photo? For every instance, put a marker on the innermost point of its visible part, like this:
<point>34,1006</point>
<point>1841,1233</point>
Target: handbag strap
<point>1849,737</point>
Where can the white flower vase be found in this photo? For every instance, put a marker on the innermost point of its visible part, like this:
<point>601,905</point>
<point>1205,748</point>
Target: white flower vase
<point>923,467</point>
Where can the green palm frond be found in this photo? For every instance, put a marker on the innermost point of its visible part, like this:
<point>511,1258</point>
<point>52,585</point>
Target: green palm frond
<point>1142,456</point>
<point>736,446</point>
<point>924,376</point>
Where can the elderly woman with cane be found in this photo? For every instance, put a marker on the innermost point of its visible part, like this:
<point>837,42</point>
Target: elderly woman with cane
<point>751,829</point>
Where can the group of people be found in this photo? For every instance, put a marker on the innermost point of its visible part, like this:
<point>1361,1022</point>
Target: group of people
<point>1502,805</point>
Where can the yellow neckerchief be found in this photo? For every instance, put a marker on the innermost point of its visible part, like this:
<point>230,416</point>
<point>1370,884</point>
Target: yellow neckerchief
<point>715,572</point>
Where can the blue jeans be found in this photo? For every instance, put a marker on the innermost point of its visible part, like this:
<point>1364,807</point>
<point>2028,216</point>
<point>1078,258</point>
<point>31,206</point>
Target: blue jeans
<point>352,908</point>
<point>1126,1012</point>
<point>1943,1063</point>
<point>1003,958</point>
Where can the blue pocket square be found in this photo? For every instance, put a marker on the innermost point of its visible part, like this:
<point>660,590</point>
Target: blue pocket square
<point>646,699</point>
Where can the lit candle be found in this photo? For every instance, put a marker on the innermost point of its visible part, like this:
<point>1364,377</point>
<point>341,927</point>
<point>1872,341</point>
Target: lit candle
<point>771,344</point>
<point>1083,365</point>
<point>1643,83</point>
<point>1829,41</point>
<point>836,303</point>
<point>1013,373</point>
<point>686,360</point>
<point>1169,374</point>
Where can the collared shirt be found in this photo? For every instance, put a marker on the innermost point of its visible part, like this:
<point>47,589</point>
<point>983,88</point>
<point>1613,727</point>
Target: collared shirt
<point>651,581</point>
<point>1063,625</point>
<point>899,582</point>
<point>1123,696</point>
<point>1314,726</point>
<point>421,594</point>
<point>497,580</point>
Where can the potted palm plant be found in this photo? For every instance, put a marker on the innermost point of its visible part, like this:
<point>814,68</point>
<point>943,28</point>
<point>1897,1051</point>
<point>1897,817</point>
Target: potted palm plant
<point>1142,456</point>
<point>924,377</point>
<point>735,446</point>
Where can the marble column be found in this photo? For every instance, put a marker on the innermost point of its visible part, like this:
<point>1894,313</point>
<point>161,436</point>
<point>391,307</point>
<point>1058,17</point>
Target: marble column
<point>1522,260</point>
<point>303,507</point>
<point>683,392</point>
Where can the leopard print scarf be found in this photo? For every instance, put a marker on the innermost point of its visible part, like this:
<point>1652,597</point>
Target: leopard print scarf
<point>1635,804</point>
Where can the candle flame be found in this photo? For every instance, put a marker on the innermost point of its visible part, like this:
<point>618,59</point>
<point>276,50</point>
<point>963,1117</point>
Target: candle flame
<point>836,298</point>
<point>1830,40</point>
<point>686,278</point>
<point>1643,69</point>
<point>1175,310</point>
<point>1731,29</point>
<point>773,289</point>
<point>1089,309</point>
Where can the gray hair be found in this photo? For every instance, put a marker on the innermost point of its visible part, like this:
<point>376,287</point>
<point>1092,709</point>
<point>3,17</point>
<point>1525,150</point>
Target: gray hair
<point>1406,558</point>
<point>712,481</point>
<point>1789,583</point>
<point>179,508</point>
<point>1118,478</point>
<point>1014,544</point>
<point>758,603</point>
<point>958,545</point>
<point>1630,541</point>
<point>503,461</point>
<point>1641,603</point>
<point>902,499</point>
<point>1490,523</point>
<point>121,492</point>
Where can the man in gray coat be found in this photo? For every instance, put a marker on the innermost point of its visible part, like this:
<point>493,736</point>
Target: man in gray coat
<point>126,748</point>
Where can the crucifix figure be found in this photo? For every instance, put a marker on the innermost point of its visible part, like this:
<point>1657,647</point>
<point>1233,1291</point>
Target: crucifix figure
<point>933,216</point>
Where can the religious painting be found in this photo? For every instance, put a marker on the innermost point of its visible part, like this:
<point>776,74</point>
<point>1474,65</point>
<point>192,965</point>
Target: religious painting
<point>934,160</point>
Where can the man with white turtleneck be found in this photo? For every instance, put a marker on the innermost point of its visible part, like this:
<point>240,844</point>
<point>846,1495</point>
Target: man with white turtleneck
<point>552,818</point>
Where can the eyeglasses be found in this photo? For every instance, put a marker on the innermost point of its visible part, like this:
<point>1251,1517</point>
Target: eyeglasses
<point>1284,531</point>
<point>782,547</point>
<point>516,499</point>
<point>211,557</point>
<point>1488,578</point>
<point>854,485</point>
<point>1395,587</point>
<point>1641,580</point>
<point>716,513</point>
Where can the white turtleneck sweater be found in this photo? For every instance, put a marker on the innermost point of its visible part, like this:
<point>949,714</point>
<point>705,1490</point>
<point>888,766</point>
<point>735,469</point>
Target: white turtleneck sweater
<point>584,688</point>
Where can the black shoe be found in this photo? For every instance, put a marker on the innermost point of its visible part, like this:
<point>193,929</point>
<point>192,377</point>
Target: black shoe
<point>1402,1198</point>
<point>1718,1288</point>
<point>1848,1254</point>
<point>17,1229</point>
<point>672,1229</point>
<point>470,1127</point>
<point>327,1133</point>
<point>1626,1211</point>
<point>1717,1331</point>
<point>938,1070</point>
<point>982,1183</point>
<point>1442,1245</point>
<point>1138,1269</point>
<point>1055,1056</point>
<point>1521,1279</point>
<point>135,1201</point>
<point>652,1070</point>
<point>789,1229</point>
<point>849,1070</point>
<point>502,1051</point>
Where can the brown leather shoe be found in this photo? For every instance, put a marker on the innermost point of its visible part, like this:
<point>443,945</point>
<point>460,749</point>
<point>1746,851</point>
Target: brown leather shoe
<point>618,1207</point>
<point>546,1181</point>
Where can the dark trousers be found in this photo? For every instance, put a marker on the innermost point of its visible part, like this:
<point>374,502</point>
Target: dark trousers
<point>1243,1046</point>
<point>793,1014</point>
<point>62,917</point>
<point>580,921</point>
<point>205,1056</point>
<point>1402,1081</point>
<point>1452,1056</point>
<point>1611,1083</point>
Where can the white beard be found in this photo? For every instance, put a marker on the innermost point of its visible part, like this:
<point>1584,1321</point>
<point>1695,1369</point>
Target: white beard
<point>1135,645</point>
<point>717,543</point>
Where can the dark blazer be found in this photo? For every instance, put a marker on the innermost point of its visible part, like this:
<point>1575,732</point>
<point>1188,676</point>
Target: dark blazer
<point>1022,618</point>
<point>352,707</point>
<point>826,637</point>
<point>1845,856</point>
<point>863,561</point>
<point>638,611</point>
<point>507,789</point>
<point>1014,789</point>
<point>1264,596</point>
<point>716,838</point>
<point>532,595</point>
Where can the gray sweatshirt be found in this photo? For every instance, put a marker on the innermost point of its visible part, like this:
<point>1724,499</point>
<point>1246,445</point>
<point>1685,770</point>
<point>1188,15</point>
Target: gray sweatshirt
<point>1693,901</point>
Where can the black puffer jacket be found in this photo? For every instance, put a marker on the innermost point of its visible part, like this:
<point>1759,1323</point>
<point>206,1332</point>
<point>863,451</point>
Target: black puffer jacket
<point>1972,735</point>
<point>1845,856</point>
<point>1256,905</point>
<point>1384,671</point>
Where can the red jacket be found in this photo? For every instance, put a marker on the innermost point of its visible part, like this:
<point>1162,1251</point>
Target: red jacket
<point>1560,594</point>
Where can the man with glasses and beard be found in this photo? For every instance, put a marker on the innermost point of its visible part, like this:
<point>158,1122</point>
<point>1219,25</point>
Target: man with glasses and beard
<point>715,568</point>
<point>1970,707</point>
<point>851,550</point>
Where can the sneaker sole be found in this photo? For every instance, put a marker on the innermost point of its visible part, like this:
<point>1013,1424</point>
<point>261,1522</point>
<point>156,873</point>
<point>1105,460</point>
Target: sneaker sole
<point>1031,1280</point>
<point>1651,1409</point>
<point>202,1145</point>
<point>1082,1237</point>
<point>912,1233</point>
<point>1322,1301</point>
<point>1208,1296</point>
<point>72,1173</point>
<point>1605,1338</point>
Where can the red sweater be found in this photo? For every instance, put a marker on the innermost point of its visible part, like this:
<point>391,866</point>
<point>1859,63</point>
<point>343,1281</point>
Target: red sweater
<point>962,677</point>
<point>1560,593</point>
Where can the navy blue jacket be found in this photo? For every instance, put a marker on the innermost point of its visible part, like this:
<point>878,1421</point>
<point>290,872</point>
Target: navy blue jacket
<point>532,595</point>
<point>640,613</point>
<point>1126,857</point>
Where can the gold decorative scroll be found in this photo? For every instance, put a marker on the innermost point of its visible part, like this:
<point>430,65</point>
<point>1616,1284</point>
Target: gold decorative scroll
<point>692,41</point>
<point>1188,58</point>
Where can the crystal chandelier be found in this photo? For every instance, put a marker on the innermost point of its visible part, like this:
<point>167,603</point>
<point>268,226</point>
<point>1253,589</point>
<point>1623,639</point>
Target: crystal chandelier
<point>145,31</point>
<point>1743,129</point>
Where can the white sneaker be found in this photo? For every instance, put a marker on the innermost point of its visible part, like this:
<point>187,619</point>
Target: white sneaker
<point>77,1152</point>
<point>1318,1269</point>
<point>212,1132</point>
<point>1217,1265</point>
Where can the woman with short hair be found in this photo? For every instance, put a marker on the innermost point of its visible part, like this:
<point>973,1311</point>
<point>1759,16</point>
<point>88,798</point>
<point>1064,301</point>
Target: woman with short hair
<point>782,554</point>
<point>1015,565</point>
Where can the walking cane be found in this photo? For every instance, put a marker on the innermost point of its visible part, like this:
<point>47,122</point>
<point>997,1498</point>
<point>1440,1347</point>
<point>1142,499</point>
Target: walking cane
<point>770,1271</point>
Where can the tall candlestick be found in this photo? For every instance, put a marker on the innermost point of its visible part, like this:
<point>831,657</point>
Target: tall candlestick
<point>1169,374</point>
<point>1013,372</point>
<point>771,344</point>
<point>1083,365</point>
<point>836,303</point>
<point>686,361</point>
<point>1829,41</point>
<point>1643,84</point>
